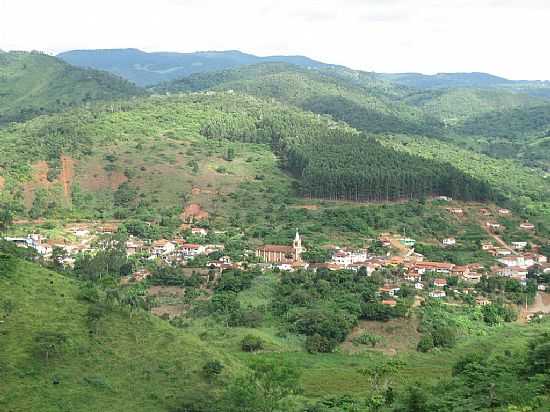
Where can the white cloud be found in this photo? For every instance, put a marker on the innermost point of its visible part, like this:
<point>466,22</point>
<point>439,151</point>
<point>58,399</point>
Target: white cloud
<point>504,37</point>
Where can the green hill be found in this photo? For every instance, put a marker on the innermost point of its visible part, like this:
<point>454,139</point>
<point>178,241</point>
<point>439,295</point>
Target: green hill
<point>497,121</point>
<point>32,84</point>
<point>60,351</point>
<point>161,148</point>
<point>65,348</point>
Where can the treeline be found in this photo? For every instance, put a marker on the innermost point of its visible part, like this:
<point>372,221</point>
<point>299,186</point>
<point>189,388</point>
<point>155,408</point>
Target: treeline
<point>334,162</point>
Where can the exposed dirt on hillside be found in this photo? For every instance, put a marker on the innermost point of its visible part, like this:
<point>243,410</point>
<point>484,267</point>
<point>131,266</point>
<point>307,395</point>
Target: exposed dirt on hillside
<point>95,177</point>
<point>306,207</point>
<point>39,180</point>
<point>398,336</point>
<point>194,212</point>
<point>197,191</point>
<point>2,183</point>
<point>40,173</point>
<point>67,174</point>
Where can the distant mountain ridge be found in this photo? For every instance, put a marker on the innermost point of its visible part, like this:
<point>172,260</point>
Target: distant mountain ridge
<point>146,69</point>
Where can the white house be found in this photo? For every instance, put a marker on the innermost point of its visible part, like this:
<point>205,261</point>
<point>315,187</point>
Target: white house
<point>519,245</point>
<point>163,247</point>
<point>419,286</point>
<point>451,241</point>
<point>200,231</point>
<point>437,294</point>
<point>192,249</point>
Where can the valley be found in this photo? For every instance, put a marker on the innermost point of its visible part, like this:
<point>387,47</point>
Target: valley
<point>270,234</point>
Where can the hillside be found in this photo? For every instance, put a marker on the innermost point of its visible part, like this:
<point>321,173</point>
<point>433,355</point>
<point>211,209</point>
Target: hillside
<point>358,99</point>
<point>151,68</point>
<point>70,345</point>
<point>32,84</point>
<point>103,356</point>
<point>209,145</point>
<point>496,122</point>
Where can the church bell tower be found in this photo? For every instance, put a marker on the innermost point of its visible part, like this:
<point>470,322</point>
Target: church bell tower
<point>297,246</point>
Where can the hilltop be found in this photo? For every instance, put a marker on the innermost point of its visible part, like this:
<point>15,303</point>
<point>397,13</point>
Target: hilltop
<point>34,83</point>
<point>144,68</point>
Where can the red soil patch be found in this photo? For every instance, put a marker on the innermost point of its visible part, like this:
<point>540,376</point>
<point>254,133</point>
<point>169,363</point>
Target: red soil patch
<point>194,212</point>
<point>40,175</point>
<point>96,178</point>
<point>67,174</point>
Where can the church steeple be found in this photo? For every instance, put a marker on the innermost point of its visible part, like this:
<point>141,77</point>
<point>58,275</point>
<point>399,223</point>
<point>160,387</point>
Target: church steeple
<point>297,245</point>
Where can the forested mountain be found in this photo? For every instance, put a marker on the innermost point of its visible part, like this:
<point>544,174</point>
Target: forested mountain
<point>150,68</point>
<point>468,80</point>
<point>359,99</point>
<point>497,122</point>
<point>34,83</point>
<point>329,160</point>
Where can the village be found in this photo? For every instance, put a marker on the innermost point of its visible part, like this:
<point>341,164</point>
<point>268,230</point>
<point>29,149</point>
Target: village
<point>396,259</point>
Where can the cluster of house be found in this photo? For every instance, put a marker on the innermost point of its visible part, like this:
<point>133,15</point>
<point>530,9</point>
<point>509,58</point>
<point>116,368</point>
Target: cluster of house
<point>173,250</point>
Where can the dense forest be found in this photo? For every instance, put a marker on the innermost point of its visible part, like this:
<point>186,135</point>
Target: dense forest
<point>340,164</point>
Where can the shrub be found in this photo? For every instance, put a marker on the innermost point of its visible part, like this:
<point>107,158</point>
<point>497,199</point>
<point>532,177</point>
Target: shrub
<point>318,343</point>
<point>212,368</point>
<point>367,339</point>
<point>251,343</point>
<point>426,343</point>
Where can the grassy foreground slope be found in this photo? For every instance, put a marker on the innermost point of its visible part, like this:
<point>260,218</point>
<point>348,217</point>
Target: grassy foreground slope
<point>34,83</point>
<point>117,362</point>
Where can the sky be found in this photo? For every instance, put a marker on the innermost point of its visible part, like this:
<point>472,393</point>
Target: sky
<point>502,37</point>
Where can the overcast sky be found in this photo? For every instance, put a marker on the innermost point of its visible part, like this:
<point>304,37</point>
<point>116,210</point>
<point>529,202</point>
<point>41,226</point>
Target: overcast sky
<point>504,37</point>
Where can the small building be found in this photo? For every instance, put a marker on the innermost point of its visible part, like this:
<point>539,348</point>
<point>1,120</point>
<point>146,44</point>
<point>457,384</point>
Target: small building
<point>408,242</point>
<point>541,288</point>
<point>162,247</point>
<point>482,301</point>
<point>493,225</point>
<point>504,212</point>
<point>444,198</point>
<point>527,226</point>
<point>460,270</point>
<point>440,282</point>
<point>199,231</point>
<point>487,246</point>
<point>419,286</point>
<point>451,241</point>
<point>192,249</point>
<point>456,211</point>
<point>471,277</point>
<point>503,252</point>
<point>438,267</point>
<point>437,294</point>
<point>389,302</point>
<point>390,290</point>
<point>519,245</point>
